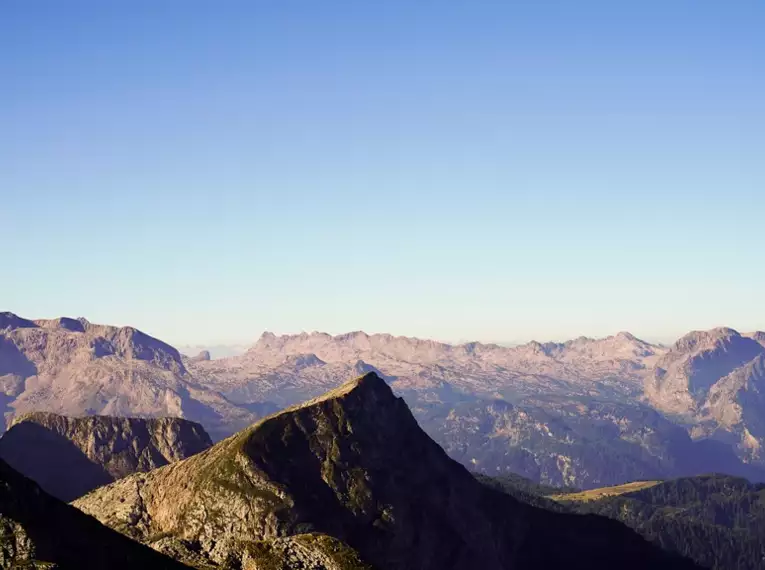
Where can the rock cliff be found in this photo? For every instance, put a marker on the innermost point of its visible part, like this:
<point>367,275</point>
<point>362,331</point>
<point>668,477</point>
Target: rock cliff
<point>70,456</point>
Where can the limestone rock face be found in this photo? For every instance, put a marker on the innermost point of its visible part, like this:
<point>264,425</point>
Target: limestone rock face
<point>681,380</point>
<point>39,531</point>
<point>353,464</point>
<point>70,456</point>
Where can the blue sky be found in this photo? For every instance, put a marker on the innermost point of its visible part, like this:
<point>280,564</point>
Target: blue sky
<point>455,170</point>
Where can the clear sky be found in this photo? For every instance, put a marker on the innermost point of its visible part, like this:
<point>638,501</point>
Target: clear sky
<point>457,170</point>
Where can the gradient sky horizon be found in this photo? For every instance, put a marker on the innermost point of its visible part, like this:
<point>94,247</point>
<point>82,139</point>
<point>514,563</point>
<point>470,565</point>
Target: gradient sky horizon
<point>495,171</point>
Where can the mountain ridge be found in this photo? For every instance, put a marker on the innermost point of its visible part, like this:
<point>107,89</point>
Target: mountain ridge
<point>73,367</point>
<point>69,457</point>
<point>569,399</point>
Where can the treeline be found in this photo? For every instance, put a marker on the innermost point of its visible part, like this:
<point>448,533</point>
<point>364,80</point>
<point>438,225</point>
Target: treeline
<point>717,520</point>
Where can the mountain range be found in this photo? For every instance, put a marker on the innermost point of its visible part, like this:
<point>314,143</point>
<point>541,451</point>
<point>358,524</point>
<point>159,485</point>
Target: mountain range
<point>586,413</point>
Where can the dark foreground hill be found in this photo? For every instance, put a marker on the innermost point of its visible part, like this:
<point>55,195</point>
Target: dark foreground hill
<point>69,457</point>
<point>717,520</point>
<point>39,531</point>
<point>353,465</point>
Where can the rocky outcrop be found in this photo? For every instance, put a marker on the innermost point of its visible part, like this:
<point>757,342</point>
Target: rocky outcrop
<point>39,531</point>
<point>203,356</point>
<point>681,380</point>
<point>353,464</point>
<point>302,552</point>
<point>759,336</point>
<point>69,457</point>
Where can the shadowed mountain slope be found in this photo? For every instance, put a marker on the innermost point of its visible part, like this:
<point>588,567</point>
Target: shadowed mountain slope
<point>39,531</point>
<point>69,457</point>
<point>353,464</point>
<point>717,520</point>
<point>715,381</point>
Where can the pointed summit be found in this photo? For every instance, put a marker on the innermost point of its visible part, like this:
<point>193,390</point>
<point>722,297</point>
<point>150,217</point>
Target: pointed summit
<point>627,336</point>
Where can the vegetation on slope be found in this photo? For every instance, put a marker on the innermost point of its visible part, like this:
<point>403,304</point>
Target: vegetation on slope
<point>716,520</point>
<point>603,492</point>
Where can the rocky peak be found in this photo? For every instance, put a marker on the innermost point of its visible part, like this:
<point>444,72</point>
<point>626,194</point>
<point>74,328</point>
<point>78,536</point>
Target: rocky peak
<point>301,361</point>
<point>73,325</point>
<point>203,356</point>
<point>64,339</point>
<point>360,368</point>
<point>627,337</point>
<point>683,378</point>
<point>70,456</point>
<point>132,344</point>
<point>354,464</point>
<point>758,336</point>
<point>9,320</point>
<point>73,367</point>
<point>705,340</point>
<point>353,336</point>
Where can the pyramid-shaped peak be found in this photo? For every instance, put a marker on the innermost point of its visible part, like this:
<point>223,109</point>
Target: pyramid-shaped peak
<point>368,386</point>
<point>627,336</point>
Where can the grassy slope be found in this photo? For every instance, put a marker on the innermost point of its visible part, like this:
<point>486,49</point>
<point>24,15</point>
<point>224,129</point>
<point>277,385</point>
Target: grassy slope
<point>595,494</point>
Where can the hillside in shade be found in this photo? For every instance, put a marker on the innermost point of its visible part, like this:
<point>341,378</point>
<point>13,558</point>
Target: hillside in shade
<point>39,531</point>
<point>716,520</point>
<point>70,456</point>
